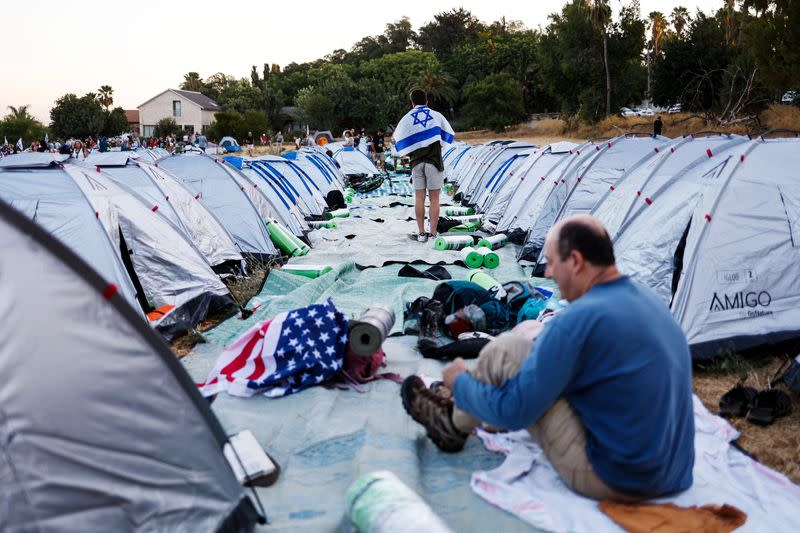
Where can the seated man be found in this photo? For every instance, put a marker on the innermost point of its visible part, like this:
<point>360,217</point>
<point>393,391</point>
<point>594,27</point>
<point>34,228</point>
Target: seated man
<point>605,389</point>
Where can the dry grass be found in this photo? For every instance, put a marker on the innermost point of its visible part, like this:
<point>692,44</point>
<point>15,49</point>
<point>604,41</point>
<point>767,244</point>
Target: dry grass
<point>545,131</point>
<point>242,288</point>
<point>777,445</point>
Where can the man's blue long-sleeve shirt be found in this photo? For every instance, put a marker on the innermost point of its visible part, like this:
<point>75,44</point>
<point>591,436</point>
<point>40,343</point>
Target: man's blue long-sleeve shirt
<point>622,362</point>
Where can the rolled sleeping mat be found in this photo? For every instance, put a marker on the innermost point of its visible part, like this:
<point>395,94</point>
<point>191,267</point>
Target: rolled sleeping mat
<point>483,279</point>
<point>452,242</point>
<point>368,331</point>
<point>489,258</point>
<point>308,271</point>
<point>330,224</point>
<point>458,210</point>
<point>339,213</point>
<point>471,257</point>
<point>466,227</point>
<point>494,242</point>
<point>379,502</point>
<point>283,239</point>
<point>304,248</point>
<point>464,219</point>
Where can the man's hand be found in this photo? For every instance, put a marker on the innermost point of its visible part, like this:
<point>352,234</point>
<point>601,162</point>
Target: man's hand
<point>451,371</point>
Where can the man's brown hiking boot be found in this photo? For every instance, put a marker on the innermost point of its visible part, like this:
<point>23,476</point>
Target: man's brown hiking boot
<point>433,409</point>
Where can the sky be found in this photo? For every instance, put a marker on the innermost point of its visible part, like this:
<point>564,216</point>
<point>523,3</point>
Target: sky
<point>55,47</point>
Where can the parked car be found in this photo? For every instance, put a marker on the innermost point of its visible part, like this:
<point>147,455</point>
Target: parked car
<point>627,112</point>
<point>644,112</point>
<point>675,108</point>
<point>788,97</point>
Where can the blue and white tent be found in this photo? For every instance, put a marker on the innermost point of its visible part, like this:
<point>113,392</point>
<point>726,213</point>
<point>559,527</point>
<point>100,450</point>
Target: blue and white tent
<point>295,181</point>
<point>353,162</point>
<point>320,168</point>
<point>496,175</point>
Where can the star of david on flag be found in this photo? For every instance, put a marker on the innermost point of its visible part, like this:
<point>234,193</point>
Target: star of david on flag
<point>426,116</point>
<point>282,356</point>
<point>421,127</point>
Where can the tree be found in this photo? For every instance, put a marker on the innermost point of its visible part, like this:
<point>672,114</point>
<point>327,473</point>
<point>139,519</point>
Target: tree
<point>494,102</point>
<point>680,18</point>
<point>254,79</point>
<point>601,18</point>
<point>771,29</point>
<point>116,122</point>
<point>216,83</point>
<point>166,126</point>
<point>192,82</point>
<point>19,112</point>
<point>105,96</point>
<point>658,25</point>
<point>77,117</point>
<point>226,122</point>
<point>254,120</point>
<point>240,96</point>
<point>317,108</point>
<point>448,30</point>
<point>19,124</point>
<point>400,36</point>
<point>437,84</point>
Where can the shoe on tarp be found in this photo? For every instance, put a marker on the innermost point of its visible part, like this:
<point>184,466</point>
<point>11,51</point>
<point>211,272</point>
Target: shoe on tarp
<point>434,411</point>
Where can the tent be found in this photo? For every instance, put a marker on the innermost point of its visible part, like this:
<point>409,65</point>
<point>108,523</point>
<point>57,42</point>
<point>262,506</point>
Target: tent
<point>38,186</point>
<point>604,164</point>
<point>511,195</point>
<point>229,144</point>
<point>168,267</point>
<point>493,166</point>
<point>297,184</point>
<point>499,173</point>
<point>320,168</point>
<point>323,137</point>
<point>167,195</point>
<point>636,189</point>
<point>354,162</point>
<point>740,281</point>
<point>221,188</point>
<point>102,428</point>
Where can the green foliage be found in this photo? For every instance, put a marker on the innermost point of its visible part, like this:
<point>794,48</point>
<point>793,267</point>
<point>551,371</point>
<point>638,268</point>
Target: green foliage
<point>166,126</point>
<point>240,96</point>
<point>227,122</point>
<point>18,123</point>
<point>771,31</point>
<point>317,108</point>
<point>116,122</point>
<point>255,121</point>
<point>192,82</point>
<point>77,117</point>
<point>448,30</point>
<point>105,95</point>
<point>495,102</point>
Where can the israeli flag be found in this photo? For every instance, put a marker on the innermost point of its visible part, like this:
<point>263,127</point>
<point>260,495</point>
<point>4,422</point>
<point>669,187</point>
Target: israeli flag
<point>5,140</point>
<point>20,145</point>
<point>46,138</point>
<point>421,127</point>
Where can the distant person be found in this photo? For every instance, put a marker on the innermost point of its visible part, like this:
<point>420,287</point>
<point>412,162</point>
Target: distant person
<point>335,162</point>
<point>419,135</point>
<point>79,150</point>
<point>263,139</point>
<point>279,141</point>
<point>378,148</point>
<point>348,138</point>
<point>248,142</point>
<point>310,138</point>
<point>202,141</point>
<point>657,127</point>
<point>103,145</point>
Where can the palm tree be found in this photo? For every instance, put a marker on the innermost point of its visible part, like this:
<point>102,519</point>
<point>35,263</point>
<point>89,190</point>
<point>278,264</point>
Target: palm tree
<point>437,84</point>
<point>192,82</point>
<point>601,18</point>
<point>105,97</point>
<point>680,18</point>
<point>19,112</point>
<point>658,26</point>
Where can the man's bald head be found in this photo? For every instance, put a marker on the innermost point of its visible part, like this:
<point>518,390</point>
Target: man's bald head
<point>585,234</point>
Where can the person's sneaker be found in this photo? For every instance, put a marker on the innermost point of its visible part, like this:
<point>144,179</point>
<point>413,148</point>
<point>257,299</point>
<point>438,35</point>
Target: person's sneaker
<point>434,411</point>
<point>419,237</point>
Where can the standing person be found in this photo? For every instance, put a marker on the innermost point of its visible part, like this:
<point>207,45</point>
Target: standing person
<point>657,127</point>
<point>202,142</point>
<point>248,142</point>
<point>419,135</point>
<point>279,141</point>
<point>348,138</point>
<point>103,147</point>
<point>605,388</point>
<point>263,139</point>
<point>378,149</point>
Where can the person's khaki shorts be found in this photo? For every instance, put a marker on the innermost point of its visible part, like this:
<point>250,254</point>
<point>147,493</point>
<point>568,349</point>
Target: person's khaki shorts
<point>427,176</point>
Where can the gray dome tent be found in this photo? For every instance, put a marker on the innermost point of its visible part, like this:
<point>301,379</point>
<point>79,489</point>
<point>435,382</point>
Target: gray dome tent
<point>101,429</point>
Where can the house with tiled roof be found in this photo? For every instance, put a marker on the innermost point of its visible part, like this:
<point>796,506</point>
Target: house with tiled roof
<point>193,111</point>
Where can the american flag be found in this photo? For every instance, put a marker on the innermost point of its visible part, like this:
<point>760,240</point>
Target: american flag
<point>287,354</point>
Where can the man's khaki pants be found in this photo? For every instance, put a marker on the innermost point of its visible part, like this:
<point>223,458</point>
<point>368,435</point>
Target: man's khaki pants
<point>559,431</point>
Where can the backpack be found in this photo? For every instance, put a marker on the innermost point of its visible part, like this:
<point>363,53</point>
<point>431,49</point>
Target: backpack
<point>456,295</point>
